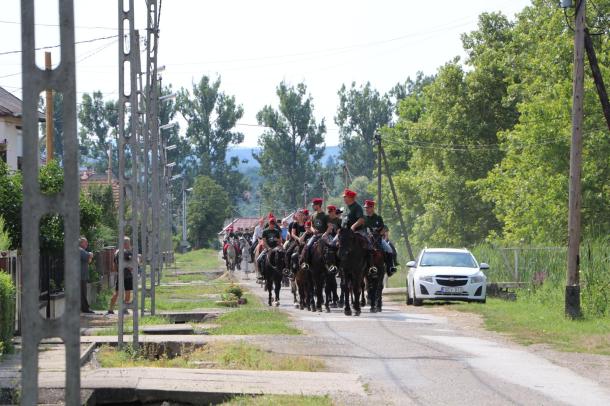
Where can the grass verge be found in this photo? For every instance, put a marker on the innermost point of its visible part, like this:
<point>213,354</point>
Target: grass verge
<point>231,355</point>
<point>279,400</point>
<point>538,323</point>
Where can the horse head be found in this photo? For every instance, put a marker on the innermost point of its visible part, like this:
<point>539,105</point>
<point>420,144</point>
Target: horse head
<point>346,243</point>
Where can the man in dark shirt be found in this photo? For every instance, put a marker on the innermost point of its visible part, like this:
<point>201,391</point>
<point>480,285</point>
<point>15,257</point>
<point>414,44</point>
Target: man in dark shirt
<point>85,259</point>
<point>333,219</point>
<point>271,238</point>
<point>374,223</point>
<point>127,277</point>
<point>320,228</point>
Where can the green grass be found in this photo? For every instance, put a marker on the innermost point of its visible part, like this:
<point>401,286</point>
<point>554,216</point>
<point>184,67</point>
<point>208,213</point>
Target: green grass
<point>203,259</point>
<point>230,355</point>
<point>128,323</point>
<point>279,400</point>
<point>399,279</point>
<point>254,319</point>
<point>529,322</point>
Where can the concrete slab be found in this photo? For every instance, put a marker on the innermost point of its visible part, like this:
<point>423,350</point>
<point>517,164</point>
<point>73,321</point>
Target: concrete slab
<point>168,329</point>
<point>200,386</point>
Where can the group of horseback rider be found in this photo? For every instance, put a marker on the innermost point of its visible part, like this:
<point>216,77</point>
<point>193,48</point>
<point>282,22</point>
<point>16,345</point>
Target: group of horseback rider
<point>307,229</point>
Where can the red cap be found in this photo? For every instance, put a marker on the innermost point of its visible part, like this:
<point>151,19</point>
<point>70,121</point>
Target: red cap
<point>331,207</point>
<point>317,201</point>
<point>369,203</point>
<point>349,193</point>
<point>305,212</point>
<point>272,219</point>
<point>308,224</point>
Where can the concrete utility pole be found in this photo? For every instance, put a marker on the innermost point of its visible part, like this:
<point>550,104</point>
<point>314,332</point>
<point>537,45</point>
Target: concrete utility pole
<point>572,296</point>
<point>49,110</point>
<point>152,127</point>
<point>36,204</point>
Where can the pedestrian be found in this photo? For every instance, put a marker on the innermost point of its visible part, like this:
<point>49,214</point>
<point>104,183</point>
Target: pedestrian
<point>127,276</point>
<point>85,259</point>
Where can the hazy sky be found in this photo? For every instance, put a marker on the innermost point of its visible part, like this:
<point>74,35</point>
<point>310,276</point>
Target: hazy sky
<point>253,45</point>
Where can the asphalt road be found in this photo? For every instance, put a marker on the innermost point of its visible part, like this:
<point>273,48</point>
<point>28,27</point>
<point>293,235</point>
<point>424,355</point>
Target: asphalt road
<point>409,356</point>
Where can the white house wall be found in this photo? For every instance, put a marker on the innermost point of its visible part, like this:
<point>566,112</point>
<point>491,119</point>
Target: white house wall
<point>12,135</point>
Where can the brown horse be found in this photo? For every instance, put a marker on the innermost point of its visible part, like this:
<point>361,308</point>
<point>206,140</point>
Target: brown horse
<point>353,258</point>
<point>272,266</point>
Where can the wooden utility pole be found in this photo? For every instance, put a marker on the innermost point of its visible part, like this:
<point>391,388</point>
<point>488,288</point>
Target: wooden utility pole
<point>49,110</point>
<point>397,204</point>
<point>378,138</point>
<point>597,77</point>
<point>572,295</point>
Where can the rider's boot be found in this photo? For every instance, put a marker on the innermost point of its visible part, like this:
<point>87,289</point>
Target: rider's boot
<point>389,263</point>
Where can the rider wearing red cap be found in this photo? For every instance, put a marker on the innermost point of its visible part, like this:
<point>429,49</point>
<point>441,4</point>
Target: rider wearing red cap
<point>374,223</point>
<point>319,228</point>
<point>271,238</point>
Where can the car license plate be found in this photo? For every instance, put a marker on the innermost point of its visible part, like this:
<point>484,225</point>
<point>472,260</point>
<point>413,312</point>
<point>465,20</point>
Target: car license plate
<point>451,290</point>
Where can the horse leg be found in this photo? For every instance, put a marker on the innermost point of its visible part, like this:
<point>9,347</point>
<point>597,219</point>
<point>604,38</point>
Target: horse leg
<point>363,289</point>
<point>357,291</point>
<point>319,291</point>
<point>348,290</point>
<point>278,287</point>
<point>328,294</point>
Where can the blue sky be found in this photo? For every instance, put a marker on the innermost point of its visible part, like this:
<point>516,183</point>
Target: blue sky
<point>253,45</point>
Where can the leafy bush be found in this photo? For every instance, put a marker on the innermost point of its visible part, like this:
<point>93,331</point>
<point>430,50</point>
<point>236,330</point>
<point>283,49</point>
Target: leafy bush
<point>235,290</point>
<point>5,238</point>
<point>7,312</point>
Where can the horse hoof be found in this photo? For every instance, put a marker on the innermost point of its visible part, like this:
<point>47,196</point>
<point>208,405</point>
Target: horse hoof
<point>320,309</point>
<point>327,310</point>
<point>333,305</point>
<point>277,304</point>
<point>347,312</point>
<point>301,307</point>
<point>296,306</point>
<point>357,313</point>
<point>341,303</point>
<point>373,310</point>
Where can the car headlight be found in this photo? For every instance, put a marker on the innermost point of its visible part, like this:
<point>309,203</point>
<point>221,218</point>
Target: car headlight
<point>428,279</point>
<point>477,279</point>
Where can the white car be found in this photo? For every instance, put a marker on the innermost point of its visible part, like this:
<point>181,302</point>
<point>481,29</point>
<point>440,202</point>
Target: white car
<point>446,274</point>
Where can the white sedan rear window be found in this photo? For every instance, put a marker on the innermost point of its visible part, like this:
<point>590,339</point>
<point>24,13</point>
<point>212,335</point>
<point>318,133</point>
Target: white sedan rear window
<point>458,259</point>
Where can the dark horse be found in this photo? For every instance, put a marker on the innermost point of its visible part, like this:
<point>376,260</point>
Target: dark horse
<point>319,271</point>
<point>374,281</point>
<point>353,257</point>
<point>272,266</point>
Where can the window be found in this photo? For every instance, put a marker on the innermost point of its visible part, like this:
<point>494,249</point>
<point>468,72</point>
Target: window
<point>459,259</point>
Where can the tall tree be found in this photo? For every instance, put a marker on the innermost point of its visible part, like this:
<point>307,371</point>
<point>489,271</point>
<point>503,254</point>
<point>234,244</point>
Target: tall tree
<point>291,148</point>
<point>211,116</point>
<point>208,207</point>
<point>98,123</point>
<point>362,111</point>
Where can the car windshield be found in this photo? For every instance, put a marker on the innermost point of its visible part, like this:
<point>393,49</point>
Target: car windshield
<point>458,259</point>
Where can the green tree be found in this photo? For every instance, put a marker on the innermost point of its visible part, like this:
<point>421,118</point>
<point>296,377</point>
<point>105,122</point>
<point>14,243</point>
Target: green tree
<point>291,148</point>
<point>211,116</point>
<point>362,111</point>
<point>209,205</point>
<point>98,123</point>
<point>11,196</point>
<point>5,238</point>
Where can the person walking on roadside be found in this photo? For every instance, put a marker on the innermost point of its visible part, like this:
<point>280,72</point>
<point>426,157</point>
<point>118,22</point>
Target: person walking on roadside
<point>127,277</point>
<point>85,259</point>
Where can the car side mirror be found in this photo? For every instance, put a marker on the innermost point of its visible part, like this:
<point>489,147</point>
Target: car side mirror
<point>411,264</point>
<point>483,265</point>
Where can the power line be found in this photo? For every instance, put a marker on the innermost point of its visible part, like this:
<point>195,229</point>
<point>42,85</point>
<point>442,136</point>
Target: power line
<point>57,46</point>
<point>57,25</point>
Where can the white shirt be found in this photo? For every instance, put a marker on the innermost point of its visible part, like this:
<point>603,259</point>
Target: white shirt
<point>258,233</point>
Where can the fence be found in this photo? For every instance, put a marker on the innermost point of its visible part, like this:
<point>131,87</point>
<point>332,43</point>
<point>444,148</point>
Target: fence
<point>10,263</point>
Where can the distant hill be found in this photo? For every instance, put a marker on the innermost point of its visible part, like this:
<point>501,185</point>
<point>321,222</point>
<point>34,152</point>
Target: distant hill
<point>248,162</point>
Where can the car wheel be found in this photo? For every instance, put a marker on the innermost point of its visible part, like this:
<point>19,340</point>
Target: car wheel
<point>409,300</point>
<point>416,301</point>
